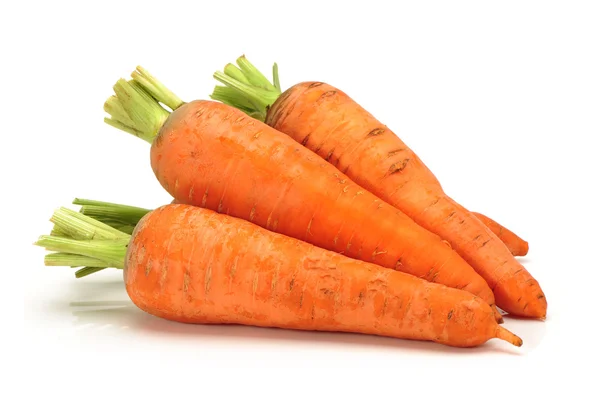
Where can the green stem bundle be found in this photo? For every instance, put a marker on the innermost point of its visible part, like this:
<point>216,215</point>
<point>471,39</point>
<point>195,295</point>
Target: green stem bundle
<point>83,241</point>
<point>246,88</point>
<point>136,105</point>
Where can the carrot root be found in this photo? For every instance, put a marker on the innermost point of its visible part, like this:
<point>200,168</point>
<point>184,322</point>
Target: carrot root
<point>508,336</point>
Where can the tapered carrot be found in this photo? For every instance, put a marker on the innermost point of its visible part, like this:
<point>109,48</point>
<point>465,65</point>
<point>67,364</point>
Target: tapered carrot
<point>516,245</point>
<point>193,265</point>
<point>214,156</point>
<point>263,94</point>
<point>331,124</point>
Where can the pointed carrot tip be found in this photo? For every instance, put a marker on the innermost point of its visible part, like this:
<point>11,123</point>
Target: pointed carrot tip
<point>507,335</point>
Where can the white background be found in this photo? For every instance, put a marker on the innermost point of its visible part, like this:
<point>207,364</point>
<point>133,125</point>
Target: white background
<point>500,99</point>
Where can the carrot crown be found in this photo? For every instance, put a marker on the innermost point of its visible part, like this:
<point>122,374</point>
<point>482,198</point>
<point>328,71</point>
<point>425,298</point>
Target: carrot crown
<point>93,239</point>
<point>246,88</point>
<point>136,105</point>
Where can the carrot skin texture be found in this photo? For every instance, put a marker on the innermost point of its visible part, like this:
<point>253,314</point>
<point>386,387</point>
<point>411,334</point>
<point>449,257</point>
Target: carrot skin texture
<point>193,265</point>
<point>514,243</point>
<point>331,124</point>
<point>214,156</point>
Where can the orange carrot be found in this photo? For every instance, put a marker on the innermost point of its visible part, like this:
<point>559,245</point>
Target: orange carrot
<point>214,156</point>
<point>193,265</point>
<point>516,245</point>
<point>331,124</point>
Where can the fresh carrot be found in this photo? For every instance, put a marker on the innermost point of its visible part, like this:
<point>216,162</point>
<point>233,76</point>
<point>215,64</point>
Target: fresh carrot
<point>208,154</point>
<point>516,245</point>
<point>188,264</point>
<point>333,125</point>
<point>262,95</point>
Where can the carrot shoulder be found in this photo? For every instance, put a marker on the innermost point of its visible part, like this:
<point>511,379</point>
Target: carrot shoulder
<point>193,265</point>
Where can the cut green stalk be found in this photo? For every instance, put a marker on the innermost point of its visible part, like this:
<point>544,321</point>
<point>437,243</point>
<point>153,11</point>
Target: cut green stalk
<point>91,202</point>
<point>255,94</point>
<point>125,216</point>
<point>82,241</point>
<point>276,77</point>
<point>58,231</point>
<point>233,98</point>
<point>233,71</point>
<point>136,106</point>
<point>109,251</point>
<point>121,217</point>
<point>85,271</point>
<point>78,226</point>
<point>223,94</point>
<point>128,229</point>
<point>116,224</point>
<point>253,75</point>
<point>74,260</point>
<point>158,90</point>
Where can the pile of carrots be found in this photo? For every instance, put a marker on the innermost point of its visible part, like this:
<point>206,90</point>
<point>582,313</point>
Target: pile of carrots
<point>294,209</point>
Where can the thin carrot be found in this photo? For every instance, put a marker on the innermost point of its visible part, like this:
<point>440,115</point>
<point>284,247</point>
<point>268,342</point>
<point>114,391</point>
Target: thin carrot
<point>188,264</point>
<point>211,155</point>
<point>516,245</point>
<point>333,125</point>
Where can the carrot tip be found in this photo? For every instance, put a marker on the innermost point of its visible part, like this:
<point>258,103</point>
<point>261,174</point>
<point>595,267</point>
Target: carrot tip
<point>506,335</point>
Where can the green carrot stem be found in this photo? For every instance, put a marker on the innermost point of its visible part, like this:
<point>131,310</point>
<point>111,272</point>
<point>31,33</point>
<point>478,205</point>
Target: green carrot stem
<point>255,93</point>
<point>276,77</point>
<point>74,260</point>
<point>233,71</point>
<point>128,229</point>
<point>233,98</point>
<point>109,251</point>
<point>158,90</point>
<point>80,241</point>
<point>122,215</point>
<point>136,105</point>
<point>253,75</point>
<point>79,226</point>
<point>58,231</point>
<point>124,208</point>
<point>85,271</point>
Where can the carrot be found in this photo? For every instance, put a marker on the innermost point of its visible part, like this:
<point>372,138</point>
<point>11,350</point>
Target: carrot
<point>516,245</point>
<point>331,124</point>
<point>188,264</point>
<point>263,94</point>
<point>214,156</point>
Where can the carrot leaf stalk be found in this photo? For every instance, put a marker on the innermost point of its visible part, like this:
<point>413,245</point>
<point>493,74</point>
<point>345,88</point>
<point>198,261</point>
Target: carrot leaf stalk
<point>78,226</point>
<point>246,88</point>
<point>111,213</point>
<point>110,251</point>
<point>73,260</point>
<point>78,240</point>
<point>156,89</point>
<point>136,105</point>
